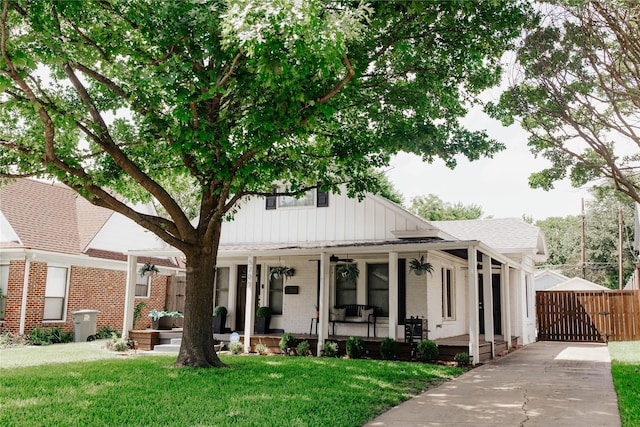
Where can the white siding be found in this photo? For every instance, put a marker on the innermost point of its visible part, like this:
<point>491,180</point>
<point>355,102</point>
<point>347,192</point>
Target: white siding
<point>345,219</point>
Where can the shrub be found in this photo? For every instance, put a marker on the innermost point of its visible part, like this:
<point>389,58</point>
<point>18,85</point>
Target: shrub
<point>463,358</point>
<point>7,339</point>
<point>263,312</point>
<point>46,336</point>
<point>389,349</point>
<point>116,343</point>
<point>261,349</point>
<point>428,350</point>
<point>107,331</point>
<point>236,347</point>
<point>220,311</point>
<point>303,348</point>
<point>286,342</point>
<point>355,347</point>
<point>330,349</point>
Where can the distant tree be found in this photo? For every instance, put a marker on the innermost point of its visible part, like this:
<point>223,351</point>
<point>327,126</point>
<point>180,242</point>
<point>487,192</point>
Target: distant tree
<point>432,208</point>
<point>387,190</point>
<point>564,240</point>
<point>576,92</point>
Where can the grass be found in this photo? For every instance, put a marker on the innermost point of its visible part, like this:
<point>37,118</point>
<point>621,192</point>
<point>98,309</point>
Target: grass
<point>252,391</point>
<point>625,368</point>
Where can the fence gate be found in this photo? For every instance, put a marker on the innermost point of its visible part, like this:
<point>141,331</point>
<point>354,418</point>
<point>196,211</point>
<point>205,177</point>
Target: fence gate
<point>588,316</point>
<point>174,299</point>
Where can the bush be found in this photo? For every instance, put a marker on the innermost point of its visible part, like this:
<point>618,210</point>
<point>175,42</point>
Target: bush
<point>463,358</point>
<point>7,339</point>
<point>355,347</point>
<point>286,342</point>
<point>220,311</point>
<point>261,349</point>
<point>428,350</point>
<point>263,312</point>
<point>236,347</point>
<point>46,336</point>
<point>116,343</point>
<point>330,349</point>
<point>107,331</point>
<point>303,348</point>
<point>389,349</point>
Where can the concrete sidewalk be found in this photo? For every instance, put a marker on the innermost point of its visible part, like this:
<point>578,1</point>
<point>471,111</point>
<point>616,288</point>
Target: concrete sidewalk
<point>542,384</point>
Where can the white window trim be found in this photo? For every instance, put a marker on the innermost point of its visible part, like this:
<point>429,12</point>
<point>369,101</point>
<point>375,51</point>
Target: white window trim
<point>445,299</point>
<point>311,206</point>
<point>148,276</point>
<point>66,293</point>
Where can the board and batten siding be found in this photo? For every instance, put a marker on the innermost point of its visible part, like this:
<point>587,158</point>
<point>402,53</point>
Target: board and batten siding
<point>345,219</point>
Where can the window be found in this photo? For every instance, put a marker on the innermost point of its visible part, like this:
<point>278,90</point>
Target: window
<point>448,294</point>
<point>378,288</point>
<point>307,199</point>
<point>143,286</point>
<point>275,294</point>
<point>4,285</point>
<point>222,287</point>
<point>55,293</point>
<point>346,290</point>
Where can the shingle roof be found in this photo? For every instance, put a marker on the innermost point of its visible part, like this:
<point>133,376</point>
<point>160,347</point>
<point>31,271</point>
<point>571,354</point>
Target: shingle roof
<point>502,234</point>
<point>50,216</point>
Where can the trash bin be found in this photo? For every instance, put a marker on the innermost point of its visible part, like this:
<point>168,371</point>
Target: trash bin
<point>84,324</point>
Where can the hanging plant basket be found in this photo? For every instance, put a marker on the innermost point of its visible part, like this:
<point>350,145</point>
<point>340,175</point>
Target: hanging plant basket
<point>281,272</point>
<point>148,268</point>
<point>419,267</point>
<point>348,271</point>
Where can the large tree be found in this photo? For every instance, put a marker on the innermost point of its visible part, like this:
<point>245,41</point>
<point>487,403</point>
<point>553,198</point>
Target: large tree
<point>129,96</point>
<point>576,91</point>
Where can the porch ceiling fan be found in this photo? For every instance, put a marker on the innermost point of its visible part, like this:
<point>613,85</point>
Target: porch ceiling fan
<point>334,258</point>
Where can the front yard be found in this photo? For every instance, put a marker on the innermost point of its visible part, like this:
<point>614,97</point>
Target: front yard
<point>147,390</point>
<point>625,368</point>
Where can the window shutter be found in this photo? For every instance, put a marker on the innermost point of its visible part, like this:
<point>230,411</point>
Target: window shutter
<point>271,203</point>
<point>322,199</point>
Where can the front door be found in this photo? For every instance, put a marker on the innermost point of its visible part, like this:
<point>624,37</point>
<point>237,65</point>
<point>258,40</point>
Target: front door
<point>497,309</point>
<point>241,295</point>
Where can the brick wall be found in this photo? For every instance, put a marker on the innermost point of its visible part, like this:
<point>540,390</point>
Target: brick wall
<point>89,288</point>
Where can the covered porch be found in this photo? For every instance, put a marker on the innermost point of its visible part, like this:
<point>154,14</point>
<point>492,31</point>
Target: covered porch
<point>468,305</point>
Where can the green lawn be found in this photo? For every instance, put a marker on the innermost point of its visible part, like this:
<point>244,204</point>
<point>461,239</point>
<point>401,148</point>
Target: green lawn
<point>270,391</point>
<point>625,368</point>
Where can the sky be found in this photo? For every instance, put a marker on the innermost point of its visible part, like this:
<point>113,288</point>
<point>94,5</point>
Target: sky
<point>498,185</point>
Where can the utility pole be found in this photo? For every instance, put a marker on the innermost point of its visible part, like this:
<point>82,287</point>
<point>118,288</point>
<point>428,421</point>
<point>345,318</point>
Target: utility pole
<point>620,270</point>
<point>584,254</point>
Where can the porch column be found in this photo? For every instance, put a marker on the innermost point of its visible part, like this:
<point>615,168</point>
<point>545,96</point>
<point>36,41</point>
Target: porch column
<point>506,304</point>
<point>393,295</point>
<point>250,307</point>
<point>129,295</point>
<point>487,291</point>
<point>323,321</point>
<point>474,314</point>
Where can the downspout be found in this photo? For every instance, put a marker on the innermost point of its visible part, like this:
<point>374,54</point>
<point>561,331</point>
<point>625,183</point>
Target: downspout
<point>25,291</point>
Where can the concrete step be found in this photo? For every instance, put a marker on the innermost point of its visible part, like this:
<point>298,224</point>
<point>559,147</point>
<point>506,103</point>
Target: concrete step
<point>166,348</point>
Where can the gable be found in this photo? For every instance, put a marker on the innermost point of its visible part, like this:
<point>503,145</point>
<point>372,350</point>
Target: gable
<point>344,219</point>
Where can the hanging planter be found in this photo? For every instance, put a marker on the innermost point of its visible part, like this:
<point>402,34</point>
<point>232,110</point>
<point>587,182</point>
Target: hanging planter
<point>281,272</point>
<point>348,271</point>
<point>419,267</point>
<point>148,268</point>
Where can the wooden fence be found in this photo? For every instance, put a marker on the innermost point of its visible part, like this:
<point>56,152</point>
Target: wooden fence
<point>588,316</point>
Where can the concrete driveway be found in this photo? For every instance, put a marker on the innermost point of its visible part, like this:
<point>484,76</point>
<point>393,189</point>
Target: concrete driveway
<point>542,384</point>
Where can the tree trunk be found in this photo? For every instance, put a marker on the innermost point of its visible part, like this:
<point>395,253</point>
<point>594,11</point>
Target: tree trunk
<point>197,348</point>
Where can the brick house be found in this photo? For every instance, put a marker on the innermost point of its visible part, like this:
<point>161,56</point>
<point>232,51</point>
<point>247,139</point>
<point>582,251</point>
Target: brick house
<point>60,254</point>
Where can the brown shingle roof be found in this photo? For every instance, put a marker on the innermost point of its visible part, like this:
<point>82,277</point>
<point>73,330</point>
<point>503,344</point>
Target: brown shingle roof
<point>51,217</point>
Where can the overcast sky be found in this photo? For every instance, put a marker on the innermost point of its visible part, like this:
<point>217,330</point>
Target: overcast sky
<point>498,185</point>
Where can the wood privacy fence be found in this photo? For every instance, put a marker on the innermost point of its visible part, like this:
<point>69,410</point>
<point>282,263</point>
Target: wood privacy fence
<point>588,315</point>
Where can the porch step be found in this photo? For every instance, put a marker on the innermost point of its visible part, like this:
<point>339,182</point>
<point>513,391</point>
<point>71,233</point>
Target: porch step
<point>174,346</point>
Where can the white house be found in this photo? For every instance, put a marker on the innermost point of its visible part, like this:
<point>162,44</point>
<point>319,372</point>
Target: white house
<point>479,301</point>
<point>545,279</point>
<point>578,284</point>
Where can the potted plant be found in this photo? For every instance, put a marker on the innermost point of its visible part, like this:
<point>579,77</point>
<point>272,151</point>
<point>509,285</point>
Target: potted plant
<point>148,268</point>
<point>219,319</point>
<point>163,319</point>
<point>419,267</point>
<point>348,271</point>
<point>263,317</point>
<point>278,272</point>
